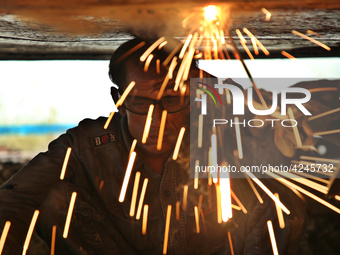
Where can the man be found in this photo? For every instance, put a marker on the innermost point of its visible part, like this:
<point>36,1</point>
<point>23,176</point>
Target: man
<point>100,223</point>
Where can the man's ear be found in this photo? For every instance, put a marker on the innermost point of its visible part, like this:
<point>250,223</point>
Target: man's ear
<point>114,94</point>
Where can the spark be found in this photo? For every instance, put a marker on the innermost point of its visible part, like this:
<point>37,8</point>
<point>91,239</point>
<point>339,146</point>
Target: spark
<point>30,231</point>
<point>309,176</point>
<point>141,198</point>
<point>236,207</point>
<point>178,205</point>
<point>287,55</point>
<point>306,182</point>
<point>218,203</point>
<point>337,197</point>
<point>185,197</point>
<point>145,219</point>
<point>335,161</point>
<point>178,143</point>
<point>147,62</point>
<point>210,163</point>
<point>172,54</point>
<point>329,132</point>
<point>244,210</point>
<point>54,232</point>
<point>69,214</point>
<point>269,193</point>
<point>311,39</point>
<point>243,43</point>
<point>127,176</point>
<point>279,213</point>
<point>151,48</point>
<point>200,130</point>
<point>268,14</point>
<point>238,138</point>
<point>254,189</point>
<point>323,89</point>
<point>134,194</point>
<point>161,130</point>
<point>133,146</point>
<point>186,44</point>
<point>197,163</point>
<point>272,237</point>
<point>172,66</point>
<point>166,232</point>
<point>164,84</point>
<point>253,41</point>
<point>147,124</point>
<point>101,185</point>
<point>225,198</point>
<point>138,46</point>
<point>197,219</point>
<point>162,45</point>
<point>66,159</point>
<point>307,193</point>
<point>158,66</point>
<point>313,33</point>
<point>295,128</point>
<point>119,103</point>
<point>265,51</point>
<point>230,243</point>
<point>214,155</point>
<point>228,97</point>
<point>324,114</point>
<point>4,235</point>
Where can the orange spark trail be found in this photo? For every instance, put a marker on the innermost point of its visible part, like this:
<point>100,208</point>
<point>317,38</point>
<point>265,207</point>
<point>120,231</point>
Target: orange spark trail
<point>243,43</point>
<point>287,55</point>
<point>67,157</point>
<point>119,103</point>
<point>238,138</point>
<point>141,199</point>
<point>312,40</point>
<point>197,163</point>
<point>279,213</point>
<point>54,232</point>
<point>269,193</point>
<point>4,235</point>
<point>134,194</point>
<point>230,243</point>
<point>197,220</point>
<point>244,210</point>
<point>147,63</point>
<point>272,237</point>
<point>307,193</point>
<point>145,219</point>
<point>151,48</point>
<point>127,176</point>
<point>185,197</point>
<point>268,14</point>
<point>167,227</point>
<point>178,143</point>
<point>69,214</point>
<point>30,231</point>
<point>161,130</point>
<point>147,124</point>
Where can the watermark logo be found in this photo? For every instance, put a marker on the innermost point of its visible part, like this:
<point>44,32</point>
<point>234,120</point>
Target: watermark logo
<point>239,101</point>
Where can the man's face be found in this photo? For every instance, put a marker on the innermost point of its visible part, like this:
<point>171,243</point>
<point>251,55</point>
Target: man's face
<point>147,86</point>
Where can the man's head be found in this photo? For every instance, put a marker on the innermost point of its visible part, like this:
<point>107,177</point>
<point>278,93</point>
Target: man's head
<point>125,67</point>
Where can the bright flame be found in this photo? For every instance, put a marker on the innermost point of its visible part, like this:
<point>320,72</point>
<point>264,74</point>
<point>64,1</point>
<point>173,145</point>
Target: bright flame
<point>210,13</point>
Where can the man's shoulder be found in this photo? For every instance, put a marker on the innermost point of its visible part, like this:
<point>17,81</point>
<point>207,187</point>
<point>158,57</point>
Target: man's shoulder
<point>96,126</point>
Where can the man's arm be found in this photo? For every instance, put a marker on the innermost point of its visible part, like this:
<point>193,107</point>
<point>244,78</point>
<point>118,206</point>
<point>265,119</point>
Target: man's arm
<point>24,192</point>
